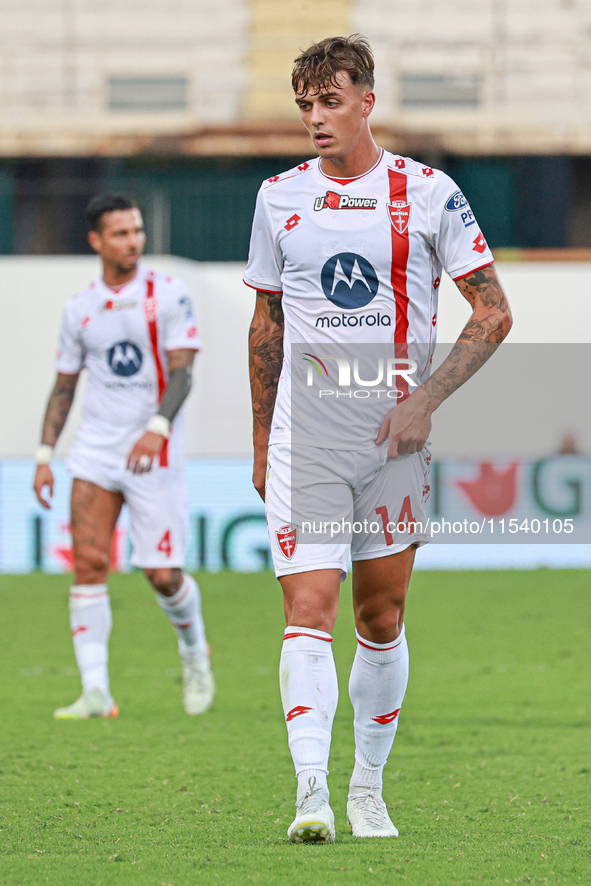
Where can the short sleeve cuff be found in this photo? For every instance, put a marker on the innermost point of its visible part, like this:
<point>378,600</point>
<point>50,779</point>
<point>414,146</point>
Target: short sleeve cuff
<point>183,344</point>
<point>263,287</point>
<point>65,367</point>
<point>469,269</point>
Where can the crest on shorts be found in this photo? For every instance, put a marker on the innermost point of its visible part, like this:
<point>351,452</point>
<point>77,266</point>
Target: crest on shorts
<point>399,213</point>
<point>287,539</point>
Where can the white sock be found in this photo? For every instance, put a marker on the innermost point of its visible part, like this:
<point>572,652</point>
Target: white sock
<point>309,693</point>
<point>91,621</point>
<point>378,681</point>
<point>184,613</point>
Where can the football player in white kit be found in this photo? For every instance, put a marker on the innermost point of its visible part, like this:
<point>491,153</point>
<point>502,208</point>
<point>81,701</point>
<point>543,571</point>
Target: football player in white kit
<point>347,250</point>
<point>135,333</point>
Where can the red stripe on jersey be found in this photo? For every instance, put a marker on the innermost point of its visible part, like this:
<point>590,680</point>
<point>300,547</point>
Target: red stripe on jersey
<point>302,634</point>
<point>164,455</point>
<point>473,271</point>
<point>400,249</point>
<point>150,308</point>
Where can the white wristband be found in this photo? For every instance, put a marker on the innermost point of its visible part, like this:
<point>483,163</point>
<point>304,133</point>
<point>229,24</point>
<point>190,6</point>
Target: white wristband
<point>159,424</point>
<point>43,454</point>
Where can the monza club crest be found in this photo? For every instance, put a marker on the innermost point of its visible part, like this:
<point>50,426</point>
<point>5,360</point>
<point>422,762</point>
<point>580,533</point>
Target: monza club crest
<point>399,213</point>
<point>287,539</point>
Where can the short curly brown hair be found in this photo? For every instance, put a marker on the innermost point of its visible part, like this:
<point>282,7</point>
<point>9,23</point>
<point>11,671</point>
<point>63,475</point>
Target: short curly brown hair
<point>317,67</point>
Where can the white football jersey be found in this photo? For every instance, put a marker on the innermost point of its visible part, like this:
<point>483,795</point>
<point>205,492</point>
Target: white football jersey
<point>360,260</point>
<point>121,337</point>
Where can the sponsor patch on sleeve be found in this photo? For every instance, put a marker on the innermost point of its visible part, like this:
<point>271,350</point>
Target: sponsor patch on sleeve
<point>458,203</point>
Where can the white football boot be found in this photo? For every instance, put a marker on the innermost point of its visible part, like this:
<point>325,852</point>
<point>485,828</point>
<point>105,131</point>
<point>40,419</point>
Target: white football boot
<point>314,822</point>
<point>92,703</point>
<point>367,815</point>
<point>198,684</point>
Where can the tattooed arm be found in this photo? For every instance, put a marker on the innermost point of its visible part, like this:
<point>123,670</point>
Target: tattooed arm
<point>409,424</point>
<point>58,408</point>
<point>265,344</point>
<point>180,368</point>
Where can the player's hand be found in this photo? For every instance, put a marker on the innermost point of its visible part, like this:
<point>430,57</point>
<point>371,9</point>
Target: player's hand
<point>43,478</point>
<point>259,474</point>
<point>407,426</point>
<point>144,452</point>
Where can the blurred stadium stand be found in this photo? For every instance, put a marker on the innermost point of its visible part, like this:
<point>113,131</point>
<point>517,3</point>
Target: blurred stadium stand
<point>188,104</point>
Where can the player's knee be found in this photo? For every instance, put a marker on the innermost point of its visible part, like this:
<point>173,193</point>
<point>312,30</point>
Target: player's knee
<point>318,613</point>
<point>165,581</point>
<point>91,565</point>
<point>382,624</point>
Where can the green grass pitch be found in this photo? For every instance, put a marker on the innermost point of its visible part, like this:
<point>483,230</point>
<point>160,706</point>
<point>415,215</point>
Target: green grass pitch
<point>489,780</point>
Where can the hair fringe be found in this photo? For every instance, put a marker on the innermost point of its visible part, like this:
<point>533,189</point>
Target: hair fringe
<point>318,66</point>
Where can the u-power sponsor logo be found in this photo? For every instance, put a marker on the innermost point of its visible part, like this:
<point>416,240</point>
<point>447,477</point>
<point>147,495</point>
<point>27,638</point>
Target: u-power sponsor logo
<point>332,200</point>
<point>349,380</point>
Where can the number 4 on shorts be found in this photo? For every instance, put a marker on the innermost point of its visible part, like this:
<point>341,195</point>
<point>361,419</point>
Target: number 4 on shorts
<point>165,544</point>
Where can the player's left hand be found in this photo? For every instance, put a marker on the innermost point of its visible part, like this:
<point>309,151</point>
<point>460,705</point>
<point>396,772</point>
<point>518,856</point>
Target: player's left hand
<point>144,452</point>
<point>407,426</point>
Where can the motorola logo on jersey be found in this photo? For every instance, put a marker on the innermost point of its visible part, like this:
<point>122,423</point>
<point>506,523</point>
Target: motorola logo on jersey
<point>354,320</point>
<point>349,281</point>
<point>124,358</point>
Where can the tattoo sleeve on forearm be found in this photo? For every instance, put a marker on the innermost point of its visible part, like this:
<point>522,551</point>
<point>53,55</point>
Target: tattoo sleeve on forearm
<point>485,330</point>
<point>179,385</point>
<point>265,358</point>
<point>58,408</point>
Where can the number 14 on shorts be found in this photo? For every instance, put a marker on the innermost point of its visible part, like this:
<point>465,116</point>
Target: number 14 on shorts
<point>405,522</point>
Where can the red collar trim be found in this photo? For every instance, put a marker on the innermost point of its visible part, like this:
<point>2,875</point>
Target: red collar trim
<point>346,181</point>
<point>117,290</point>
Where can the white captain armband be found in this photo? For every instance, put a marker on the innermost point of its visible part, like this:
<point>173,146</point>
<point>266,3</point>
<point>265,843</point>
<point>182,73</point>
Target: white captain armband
<point>43,454</point>
<point>159,424</point>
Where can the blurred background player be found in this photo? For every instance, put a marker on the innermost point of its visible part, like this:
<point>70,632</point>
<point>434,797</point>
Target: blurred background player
<point>312,255</point>
<point>135,333</point>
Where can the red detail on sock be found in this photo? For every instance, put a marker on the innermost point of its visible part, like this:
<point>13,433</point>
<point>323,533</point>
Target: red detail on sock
<point>296,712</point>
<point>184,597</point>
<point>386,718</point>
<point>302,634</point>
<point>184,625</point>
<point>79,630</point>
<point>88,596</point>
<point>379,648</point>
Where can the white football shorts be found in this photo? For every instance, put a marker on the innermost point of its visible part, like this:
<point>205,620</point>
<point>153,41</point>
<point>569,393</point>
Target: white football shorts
<point>157,503</point>
<point>324,505</point>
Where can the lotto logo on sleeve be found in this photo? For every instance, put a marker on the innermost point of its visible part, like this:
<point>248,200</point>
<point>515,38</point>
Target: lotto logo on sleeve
<point>480,243</point>
<point>287,539</point>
